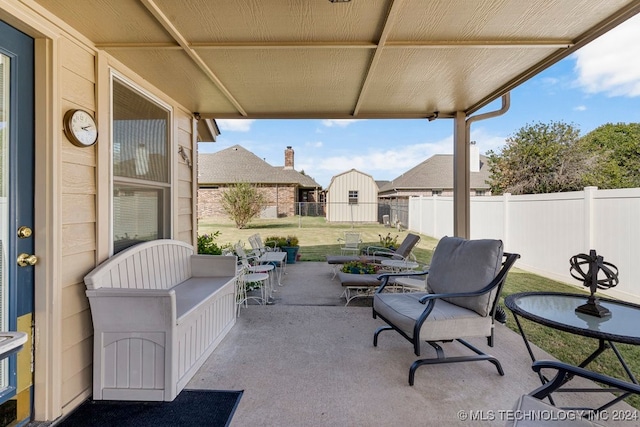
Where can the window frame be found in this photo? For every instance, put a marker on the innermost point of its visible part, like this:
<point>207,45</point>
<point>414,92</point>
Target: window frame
<point>166,188</point>
<point>351,199</point>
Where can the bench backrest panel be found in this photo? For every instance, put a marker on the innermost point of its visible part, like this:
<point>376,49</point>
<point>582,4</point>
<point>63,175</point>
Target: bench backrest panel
<point>158,264</point>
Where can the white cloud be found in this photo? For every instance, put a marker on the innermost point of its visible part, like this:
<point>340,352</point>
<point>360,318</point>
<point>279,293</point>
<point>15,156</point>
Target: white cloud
<point>312,144</point>
<point>611,63</point>
<point>235,125</point>
<point>580,108</point>
<point>343,123</point>
<point>381,164</point>
<point>487,141</point>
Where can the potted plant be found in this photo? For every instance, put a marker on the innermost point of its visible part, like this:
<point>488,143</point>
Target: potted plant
<point>388,241</point>
<point>288,244</point>
<point>360,267</point>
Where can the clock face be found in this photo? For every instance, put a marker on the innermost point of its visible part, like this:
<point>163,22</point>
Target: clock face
<point>80,128</point>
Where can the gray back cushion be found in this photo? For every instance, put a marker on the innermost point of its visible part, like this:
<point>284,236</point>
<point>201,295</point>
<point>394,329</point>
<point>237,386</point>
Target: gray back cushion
<point>460,265</point>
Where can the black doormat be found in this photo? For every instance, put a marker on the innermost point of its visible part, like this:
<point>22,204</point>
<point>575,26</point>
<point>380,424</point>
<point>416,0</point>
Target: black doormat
<point>190,408</point>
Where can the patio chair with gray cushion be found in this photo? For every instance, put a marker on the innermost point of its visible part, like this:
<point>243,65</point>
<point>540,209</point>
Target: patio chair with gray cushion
<point>464,281</point>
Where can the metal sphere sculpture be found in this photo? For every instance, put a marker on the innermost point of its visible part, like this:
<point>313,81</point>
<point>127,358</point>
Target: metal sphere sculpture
<point>590,278</point>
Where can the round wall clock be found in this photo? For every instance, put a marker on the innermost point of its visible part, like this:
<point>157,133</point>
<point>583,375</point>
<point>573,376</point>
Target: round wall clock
<point>80,128</point>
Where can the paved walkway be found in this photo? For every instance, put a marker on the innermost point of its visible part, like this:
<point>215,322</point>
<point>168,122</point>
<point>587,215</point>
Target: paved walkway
<point>309,361</point>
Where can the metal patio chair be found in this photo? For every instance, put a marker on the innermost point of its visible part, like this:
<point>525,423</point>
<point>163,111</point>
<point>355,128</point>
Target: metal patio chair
<point>350,243</point>
<point>463,283</point>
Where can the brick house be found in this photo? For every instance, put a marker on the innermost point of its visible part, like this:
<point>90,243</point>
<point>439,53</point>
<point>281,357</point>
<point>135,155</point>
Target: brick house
<point>283,186</point>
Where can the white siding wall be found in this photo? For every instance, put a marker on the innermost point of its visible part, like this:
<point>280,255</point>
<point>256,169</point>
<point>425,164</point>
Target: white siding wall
<point>73,216</point>
<point>548,229</point>
<point>338,207</point>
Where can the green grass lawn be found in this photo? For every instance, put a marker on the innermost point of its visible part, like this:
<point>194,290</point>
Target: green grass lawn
<point>319,238</point>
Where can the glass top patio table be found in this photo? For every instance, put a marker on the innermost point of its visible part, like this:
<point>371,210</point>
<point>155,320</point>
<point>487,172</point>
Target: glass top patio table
<point>557,310</point>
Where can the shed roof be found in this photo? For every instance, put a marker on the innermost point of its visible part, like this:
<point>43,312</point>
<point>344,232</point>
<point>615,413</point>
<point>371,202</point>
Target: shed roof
<point>350,171</point>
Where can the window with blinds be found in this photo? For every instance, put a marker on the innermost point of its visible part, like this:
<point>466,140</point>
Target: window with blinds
<point>141,185</point>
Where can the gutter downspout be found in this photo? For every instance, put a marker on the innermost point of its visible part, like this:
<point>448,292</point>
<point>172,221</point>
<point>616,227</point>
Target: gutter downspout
<point>461,172</point>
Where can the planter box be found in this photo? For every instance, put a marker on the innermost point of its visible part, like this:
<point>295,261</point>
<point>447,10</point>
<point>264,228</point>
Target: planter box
<point>292,252</point>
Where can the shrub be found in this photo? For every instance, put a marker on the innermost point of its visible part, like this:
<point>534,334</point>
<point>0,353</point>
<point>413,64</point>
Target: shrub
<point>242,202</point>
<point>207,244</point>
<point>281,241</point>
<point>388,241</point>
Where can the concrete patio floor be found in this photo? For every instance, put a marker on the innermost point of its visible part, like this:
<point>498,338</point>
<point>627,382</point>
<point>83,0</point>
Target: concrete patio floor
<point>307,360</point>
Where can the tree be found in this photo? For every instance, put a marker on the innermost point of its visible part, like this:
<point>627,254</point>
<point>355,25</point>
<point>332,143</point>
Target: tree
<point>616,148</point>
<point>242,202</point>
<point>539,158</point>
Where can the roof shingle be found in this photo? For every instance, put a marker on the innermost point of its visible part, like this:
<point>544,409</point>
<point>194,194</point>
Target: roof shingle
<point>237,164</point>
<point>436,173</point>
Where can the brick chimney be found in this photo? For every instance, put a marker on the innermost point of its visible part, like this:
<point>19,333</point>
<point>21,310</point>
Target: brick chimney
<point>288,158</point>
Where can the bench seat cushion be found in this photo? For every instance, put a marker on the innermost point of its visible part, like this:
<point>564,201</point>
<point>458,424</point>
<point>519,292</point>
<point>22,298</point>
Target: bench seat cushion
<point>195,290</point>
<point>402,310</point>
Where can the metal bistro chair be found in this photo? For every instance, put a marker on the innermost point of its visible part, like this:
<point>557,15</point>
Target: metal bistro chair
<point>463,284</point>
<point>266,255</point>
<point>350,243</point>
<point>244,260</point>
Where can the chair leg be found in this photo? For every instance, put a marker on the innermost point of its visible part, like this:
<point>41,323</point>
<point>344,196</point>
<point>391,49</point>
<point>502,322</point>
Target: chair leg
<point>480,356</point>
<point>380,329</point>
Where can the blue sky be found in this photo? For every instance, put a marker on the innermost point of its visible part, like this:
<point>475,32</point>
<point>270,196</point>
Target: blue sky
<point>598,84</point>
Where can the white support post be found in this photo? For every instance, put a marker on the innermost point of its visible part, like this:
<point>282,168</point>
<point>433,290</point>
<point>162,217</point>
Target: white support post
<point>461,177</point>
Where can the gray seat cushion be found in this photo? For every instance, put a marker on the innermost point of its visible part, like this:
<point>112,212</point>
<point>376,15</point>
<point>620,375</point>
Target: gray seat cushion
<point>446,321</point>
<point>460,265</point>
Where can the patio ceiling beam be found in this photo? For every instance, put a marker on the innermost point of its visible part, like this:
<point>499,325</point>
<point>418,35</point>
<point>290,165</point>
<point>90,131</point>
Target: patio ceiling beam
<point>394,10</point>
<point>179,38</point>
<point>588,36</point>
<point>397,44</point>
<point>327,115</point>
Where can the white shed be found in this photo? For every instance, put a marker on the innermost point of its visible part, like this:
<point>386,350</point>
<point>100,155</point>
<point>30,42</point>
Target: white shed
<point>352,196</point>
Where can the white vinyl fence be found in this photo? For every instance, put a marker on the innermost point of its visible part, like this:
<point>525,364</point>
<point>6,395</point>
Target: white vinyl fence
<point>548,229</point>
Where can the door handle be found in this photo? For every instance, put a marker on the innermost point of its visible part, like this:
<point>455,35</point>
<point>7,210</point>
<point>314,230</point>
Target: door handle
<point>25,260</point>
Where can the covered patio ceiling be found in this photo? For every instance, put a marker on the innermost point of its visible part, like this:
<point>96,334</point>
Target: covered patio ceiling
<point>319,59</point>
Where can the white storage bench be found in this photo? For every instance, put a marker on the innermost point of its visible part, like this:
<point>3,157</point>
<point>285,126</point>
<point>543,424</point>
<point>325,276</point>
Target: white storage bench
<point>158,312</point>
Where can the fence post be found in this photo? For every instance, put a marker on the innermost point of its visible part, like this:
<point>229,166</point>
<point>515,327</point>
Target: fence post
<point>589,193</point>
<point>435,216</point>
<point>506,224</point>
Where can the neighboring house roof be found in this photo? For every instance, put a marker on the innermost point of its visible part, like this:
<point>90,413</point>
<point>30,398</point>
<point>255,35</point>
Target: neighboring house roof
<point>237,164</point>
<point>436,173</point>
<point>382,183</point>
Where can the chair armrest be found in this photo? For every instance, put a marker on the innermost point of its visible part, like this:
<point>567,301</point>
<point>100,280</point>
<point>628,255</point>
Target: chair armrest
<point>387,276</point>
<point>565,370</point>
